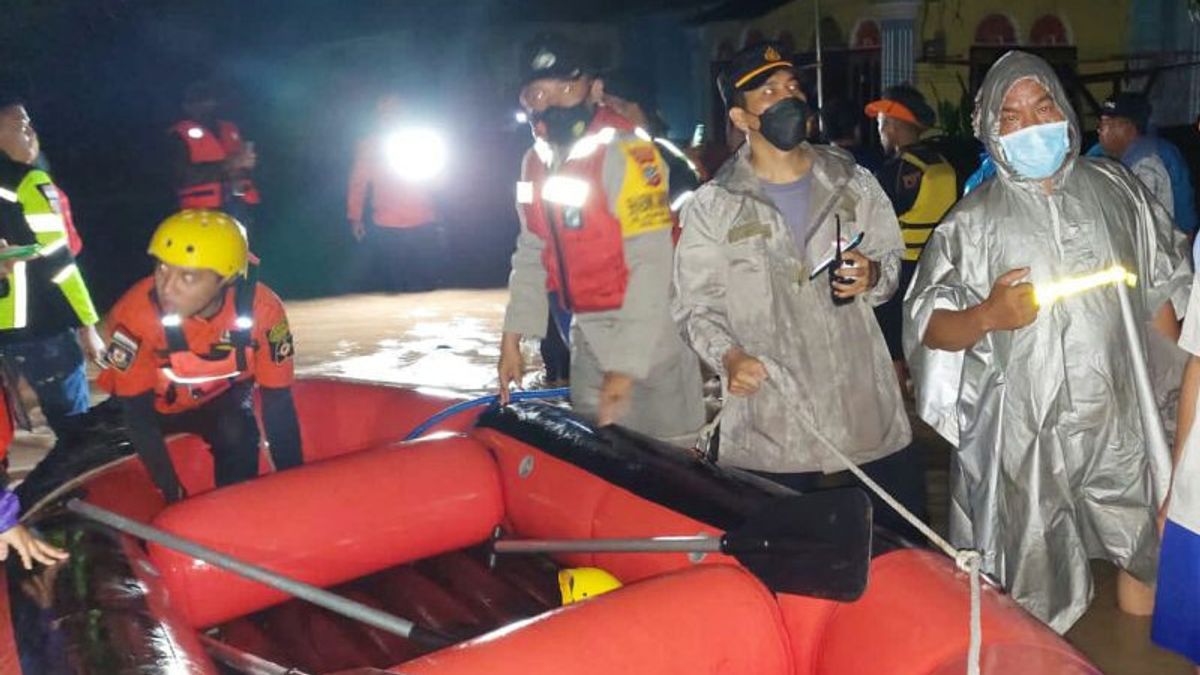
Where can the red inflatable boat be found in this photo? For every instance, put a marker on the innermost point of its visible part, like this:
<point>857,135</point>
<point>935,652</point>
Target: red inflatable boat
<point>405,526</point>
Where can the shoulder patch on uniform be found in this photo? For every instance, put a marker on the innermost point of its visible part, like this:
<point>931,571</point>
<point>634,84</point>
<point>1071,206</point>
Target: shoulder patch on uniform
<point>279,337</point>
<point>647,159</point>
<point>122,349</point>
<point>643,204</point>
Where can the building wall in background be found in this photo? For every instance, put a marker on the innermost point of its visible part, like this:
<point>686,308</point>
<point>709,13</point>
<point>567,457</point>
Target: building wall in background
<point>1106,35</point>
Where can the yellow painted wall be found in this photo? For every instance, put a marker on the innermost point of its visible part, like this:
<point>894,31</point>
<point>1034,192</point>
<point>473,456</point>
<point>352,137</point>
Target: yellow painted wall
<point>1099,28</point>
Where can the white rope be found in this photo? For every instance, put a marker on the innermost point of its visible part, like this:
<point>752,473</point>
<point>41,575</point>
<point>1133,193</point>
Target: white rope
<point>967,560</point>
<point>704,436</point>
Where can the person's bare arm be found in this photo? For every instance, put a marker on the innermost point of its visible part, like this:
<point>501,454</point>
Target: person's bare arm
<point>1009,306</point>
<point>1166,323</point>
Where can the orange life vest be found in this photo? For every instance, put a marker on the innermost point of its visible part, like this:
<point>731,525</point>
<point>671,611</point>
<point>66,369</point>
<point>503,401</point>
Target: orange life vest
<point>205,147</point>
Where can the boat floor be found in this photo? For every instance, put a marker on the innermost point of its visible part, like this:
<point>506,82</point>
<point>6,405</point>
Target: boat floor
<point>456,594</point>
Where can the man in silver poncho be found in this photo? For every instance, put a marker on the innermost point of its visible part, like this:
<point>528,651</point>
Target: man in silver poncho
<point>1052,468</point>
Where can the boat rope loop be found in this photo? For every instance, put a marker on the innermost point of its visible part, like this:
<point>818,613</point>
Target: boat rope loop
<point>968,560</point>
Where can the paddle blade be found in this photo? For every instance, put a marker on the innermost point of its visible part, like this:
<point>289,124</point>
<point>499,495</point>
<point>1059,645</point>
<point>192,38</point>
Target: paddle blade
<point>816,544</point>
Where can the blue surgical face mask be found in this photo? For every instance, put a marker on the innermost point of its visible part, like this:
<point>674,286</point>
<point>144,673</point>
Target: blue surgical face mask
<point>1037,152</point>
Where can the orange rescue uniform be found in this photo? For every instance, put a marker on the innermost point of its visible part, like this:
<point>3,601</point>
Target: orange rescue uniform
<point>140,360</point>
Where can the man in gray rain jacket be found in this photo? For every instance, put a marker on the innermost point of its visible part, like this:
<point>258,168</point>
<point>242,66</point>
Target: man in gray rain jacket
<point>803,375</point>
<point>596,233</point>
<point>1051,468</point>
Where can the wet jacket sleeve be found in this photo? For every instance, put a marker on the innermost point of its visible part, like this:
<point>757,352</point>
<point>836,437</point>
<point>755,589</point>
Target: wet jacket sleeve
<point>624,339</point>
<point>938,284</point>
<point>360,181</point>
<point>282,427</point>
<point>1163,254</point>
<point>701,281</point>
<point>1153,175</point>
<point>146,434</point>
<point>528,305</point>
<point>882,241</point>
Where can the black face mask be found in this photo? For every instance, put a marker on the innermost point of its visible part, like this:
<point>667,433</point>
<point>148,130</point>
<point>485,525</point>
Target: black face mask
<point>564,126</point>
<point>785,124</point>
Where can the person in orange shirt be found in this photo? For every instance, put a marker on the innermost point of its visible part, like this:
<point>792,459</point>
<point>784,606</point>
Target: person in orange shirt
<point>188,345</point>
<point>389,206</point>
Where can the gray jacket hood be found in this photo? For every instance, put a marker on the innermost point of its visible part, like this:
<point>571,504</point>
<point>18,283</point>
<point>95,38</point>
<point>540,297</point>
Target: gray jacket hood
<point>1007,71</point>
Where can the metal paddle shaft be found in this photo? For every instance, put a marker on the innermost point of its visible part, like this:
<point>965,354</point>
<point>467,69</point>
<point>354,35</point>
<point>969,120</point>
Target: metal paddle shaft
<point>816,544</point>
<point>1156,439</point>
<point>697,544</point>
<point>318,596</point>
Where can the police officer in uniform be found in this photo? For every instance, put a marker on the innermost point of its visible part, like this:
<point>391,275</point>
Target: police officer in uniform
<point>189,344</point>
<point>922,186</point>
<point>596,230</point>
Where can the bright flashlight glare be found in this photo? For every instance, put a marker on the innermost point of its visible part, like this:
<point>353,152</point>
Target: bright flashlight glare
<point>521,117</point>
<point>1048,293</point>
<point>416,153</point>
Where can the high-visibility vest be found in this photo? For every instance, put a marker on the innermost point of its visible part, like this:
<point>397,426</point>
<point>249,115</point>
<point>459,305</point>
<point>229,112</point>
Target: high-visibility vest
<point>937,194</point>
<point>568,209</point>
<point>38,199</point>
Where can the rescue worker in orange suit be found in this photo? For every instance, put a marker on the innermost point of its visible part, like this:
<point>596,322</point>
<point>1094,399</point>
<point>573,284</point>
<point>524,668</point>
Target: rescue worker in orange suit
<point>212,163</point>
<point>188,345</point>
<point>922,187</point>
<point>390,213</point>
<point>596,230</point>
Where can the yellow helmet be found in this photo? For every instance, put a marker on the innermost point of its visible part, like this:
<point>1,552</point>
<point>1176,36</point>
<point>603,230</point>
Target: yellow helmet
<point>203,239</point>
<point>581,583</point>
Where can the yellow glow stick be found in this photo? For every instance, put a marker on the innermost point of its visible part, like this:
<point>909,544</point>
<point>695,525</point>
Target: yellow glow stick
<point>1048,293</point>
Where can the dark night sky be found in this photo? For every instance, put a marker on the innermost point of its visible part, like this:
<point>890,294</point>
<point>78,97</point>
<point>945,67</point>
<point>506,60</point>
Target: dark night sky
<point>103,78</point>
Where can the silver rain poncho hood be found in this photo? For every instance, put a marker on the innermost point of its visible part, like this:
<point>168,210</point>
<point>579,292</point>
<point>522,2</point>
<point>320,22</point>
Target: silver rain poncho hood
<point>1051,468</point>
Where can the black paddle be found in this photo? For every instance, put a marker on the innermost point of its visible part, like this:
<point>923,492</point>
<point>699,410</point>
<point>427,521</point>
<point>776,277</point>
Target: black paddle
<point>816,544</point>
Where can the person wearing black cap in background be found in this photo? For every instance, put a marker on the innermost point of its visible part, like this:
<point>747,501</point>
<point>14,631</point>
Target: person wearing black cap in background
<point>596,233</point>
<point>841,122</point>
<point>804,368</point>
<point>630,95</point>
<point>1123,129</point>
<point>922,186</point>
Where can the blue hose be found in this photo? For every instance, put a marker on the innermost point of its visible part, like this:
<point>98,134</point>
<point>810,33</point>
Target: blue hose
<point>453,410</point>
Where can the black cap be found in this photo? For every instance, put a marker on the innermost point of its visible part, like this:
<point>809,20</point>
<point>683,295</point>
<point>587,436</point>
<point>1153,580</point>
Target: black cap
<point>903,102</point>
<point>750,68</point>
<point>632,86</point>
<point>551,56</point>
<point>1129,105</point>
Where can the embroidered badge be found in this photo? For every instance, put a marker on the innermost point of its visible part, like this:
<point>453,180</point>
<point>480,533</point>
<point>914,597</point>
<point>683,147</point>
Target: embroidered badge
<point>280,340</point>
<point>543,60</point>
<point>647,162</point>
<point>122,350</point>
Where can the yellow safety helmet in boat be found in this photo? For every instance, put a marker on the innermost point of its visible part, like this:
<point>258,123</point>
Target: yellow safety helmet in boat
<point>581,583</point>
